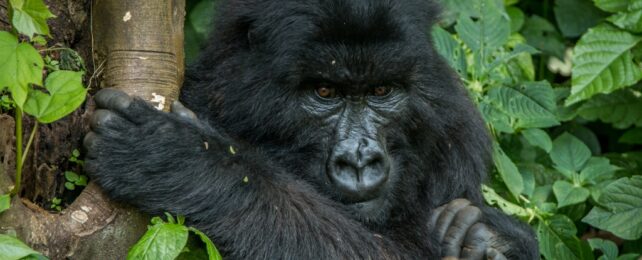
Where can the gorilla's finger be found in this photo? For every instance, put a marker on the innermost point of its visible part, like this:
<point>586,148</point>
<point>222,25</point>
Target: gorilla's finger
<point>456,233</point>
<point>448,215</point>
<point>89,142</point>
<point>436,213</point>
<point>113,99</point>
<point>494,254</point>
<point>100,118</point>
<point>476,242</point>
<point>180,110</point>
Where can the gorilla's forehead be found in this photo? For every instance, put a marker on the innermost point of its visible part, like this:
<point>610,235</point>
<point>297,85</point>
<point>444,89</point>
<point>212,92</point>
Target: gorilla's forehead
<point>351,40</point>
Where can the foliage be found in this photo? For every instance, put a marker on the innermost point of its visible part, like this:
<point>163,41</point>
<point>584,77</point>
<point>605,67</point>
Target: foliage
<point>566,150</point>
<point>13,249</point>
<point>169,240</point>
<point>22,73</point>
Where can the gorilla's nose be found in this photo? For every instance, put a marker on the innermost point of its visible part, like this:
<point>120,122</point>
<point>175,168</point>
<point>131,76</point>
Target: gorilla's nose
<point>358,168</point>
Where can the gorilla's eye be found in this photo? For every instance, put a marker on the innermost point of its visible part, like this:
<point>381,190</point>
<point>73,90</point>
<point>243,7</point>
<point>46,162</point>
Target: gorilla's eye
<point>382,91</point>
<point>326,92</point>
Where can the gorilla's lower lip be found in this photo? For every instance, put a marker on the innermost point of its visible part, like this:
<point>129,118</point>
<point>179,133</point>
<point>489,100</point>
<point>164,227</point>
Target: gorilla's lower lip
<point>365,205</point>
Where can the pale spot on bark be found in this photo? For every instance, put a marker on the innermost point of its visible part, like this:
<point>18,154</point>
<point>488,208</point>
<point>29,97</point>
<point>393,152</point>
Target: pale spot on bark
<point>160,100</point>
<point>127,17</point>
<point>79,216</point>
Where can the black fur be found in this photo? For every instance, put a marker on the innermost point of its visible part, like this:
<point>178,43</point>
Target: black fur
<point>249,92</point>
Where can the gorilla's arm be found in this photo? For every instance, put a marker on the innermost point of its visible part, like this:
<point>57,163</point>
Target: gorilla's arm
<point>251,208</point>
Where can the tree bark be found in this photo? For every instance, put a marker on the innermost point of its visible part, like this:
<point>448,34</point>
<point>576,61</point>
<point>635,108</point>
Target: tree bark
<point>137,46</point>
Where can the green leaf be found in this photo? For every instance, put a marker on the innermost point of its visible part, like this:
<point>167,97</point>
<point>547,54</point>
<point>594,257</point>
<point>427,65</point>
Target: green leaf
<point>612,6</point>
<point>499,120</point>
<point>5,202</point>
<point>30,17</point>
<point>569,194</point>
<point>162,241</point>
<point>608,248</point>
<point>12,249</point>
<point>557,240</point>
<point>532,104</point>
<point>630,20</point>
<point>633,136</point>
<point>82,180</point>
<point>20,65</point>
<point>508,171</point>
<point>603,63</point>
<point>574,17</point>
<point>517,51</point>
<point>450,50</point>
<point>569,153</point>
<point>538,137</point>
<point>70,186</point>
<point>622,200</point>
<point>596,170</point>
<point>632,256</point>
<point>493,199</point>
<point>517,18</point>
<point>622,108</point>
<point>71,176</point>
<point>543,35</point>
<point>66,94</point>
<point>212,252</point>
<point>489,32</point>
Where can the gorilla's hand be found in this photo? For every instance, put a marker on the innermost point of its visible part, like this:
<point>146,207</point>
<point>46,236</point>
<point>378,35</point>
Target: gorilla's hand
<point>131,141</point>
<point>461,234</point>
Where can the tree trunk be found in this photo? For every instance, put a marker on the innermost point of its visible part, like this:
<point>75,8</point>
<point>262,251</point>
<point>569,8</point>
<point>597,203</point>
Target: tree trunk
<point>136,46</point>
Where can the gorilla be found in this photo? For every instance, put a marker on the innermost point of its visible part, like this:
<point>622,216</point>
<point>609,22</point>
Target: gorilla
<point>313,129</point>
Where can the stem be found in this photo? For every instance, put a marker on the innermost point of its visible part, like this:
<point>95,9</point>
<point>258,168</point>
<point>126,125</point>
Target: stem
<point>16,187</point>
<point>33,133</point>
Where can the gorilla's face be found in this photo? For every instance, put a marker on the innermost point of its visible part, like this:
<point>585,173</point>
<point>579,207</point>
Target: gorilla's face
<point>358,167</point>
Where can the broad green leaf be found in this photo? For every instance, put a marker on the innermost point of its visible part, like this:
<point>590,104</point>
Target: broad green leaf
<point>66,94</point>
<point>450,50</point>
<point>622,108</point>
<point>596,170</point>
<point>12,249</point>
<point>569,153</point>
<point>538,137</point>
<point>569,194</point>
<point>608,248</point>
<point>557,240</point>
<point>622,200</point>
<point>71,176</point>
<point>30,17</point>
<point>20,65</point>
<point>517,18</point>
<point>632,256</point>
<point>633,136</point>
<point>499,120</point>
<point>489,32</point>
<point>574,17</point>
<point>612,6</point>
<point>543,35</point>
<point>5,202</point>
<point>518,50</point>
<point>603,63</point>
<point>532,104</point>
<point>212,252</point>
<point>162,241</point>
<point>508,171</point>
<point>492,198</point>
<point>630,20</point>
